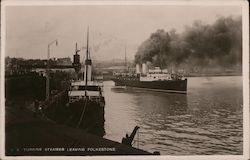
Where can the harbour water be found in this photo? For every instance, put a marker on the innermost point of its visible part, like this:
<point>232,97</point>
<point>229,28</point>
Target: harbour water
<point>207,120</point>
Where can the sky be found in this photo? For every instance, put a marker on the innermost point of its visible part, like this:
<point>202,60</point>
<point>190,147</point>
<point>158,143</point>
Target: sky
<point>29,29</point>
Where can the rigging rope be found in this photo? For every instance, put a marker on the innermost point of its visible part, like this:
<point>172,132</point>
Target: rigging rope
<point>80,120</point>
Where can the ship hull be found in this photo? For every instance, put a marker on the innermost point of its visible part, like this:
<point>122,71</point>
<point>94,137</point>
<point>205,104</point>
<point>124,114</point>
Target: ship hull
<point>176,86</point>
<point>88,115</point>
<point>85,114</point>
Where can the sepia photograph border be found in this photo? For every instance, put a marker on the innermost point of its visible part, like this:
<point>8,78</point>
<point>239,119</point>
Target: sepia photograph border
<point>245,74</point>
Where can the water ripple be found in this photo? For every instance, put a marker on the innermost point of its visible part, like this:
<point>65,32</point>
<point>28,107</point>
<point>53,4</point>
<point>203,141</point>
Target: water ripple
<point>208,120</point>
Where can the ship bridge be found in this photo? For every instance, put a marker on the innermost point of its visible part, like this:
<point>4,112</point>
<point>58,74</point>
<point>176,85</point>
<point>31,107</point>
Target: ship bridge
<point>79,90</point>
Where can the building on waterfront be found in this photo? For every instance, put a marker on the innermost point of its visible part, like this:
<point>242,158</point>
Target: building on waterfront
<point>64,61</point>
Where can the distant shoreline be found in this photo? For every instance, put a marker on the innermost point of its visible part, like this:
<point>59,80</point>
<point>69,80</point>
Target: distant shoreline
<point>214,75</point>
<point>109,77</point>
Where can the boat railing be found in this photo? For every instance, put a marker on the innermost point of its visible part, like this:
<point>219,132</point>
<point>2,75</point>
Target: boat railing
<point>78,98</point>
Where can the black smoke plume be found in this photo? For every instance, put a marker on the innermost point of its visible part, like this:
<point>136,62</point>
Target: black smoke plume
<point>200,45</point>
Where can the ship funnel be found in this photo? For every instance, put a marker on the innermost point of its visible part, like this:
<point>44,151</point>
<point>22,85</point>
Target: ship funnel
<point>138,69</point>
<point>88,70</point>
<point>144,68</point>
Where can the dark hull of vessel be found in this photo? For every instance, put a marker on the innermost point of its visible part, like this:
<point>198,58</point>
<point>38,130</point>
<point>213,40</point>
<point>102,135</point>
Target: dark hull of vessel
<point>88,115</point>
<point>85,114</point>
<point>177,86</point>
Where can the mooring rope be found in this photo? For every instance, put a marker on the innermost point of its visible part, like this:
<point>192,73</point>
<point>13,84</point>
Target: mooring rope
<point>80,120</point>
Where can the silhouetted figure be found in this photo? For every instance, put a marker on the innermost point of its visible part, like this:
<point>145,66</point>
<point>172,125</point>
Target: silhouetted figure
<point>125,140</point>
<point>128,139</point>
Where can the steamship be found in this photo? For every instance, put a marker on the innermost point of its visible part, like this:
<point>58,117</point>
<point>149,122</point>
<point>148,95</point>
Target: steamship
<point>85,97</point>
<point>152,79</point>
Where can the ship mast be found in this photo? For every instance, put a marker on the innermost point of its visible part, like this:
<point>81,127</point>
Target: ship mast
<point>86,64</point>
<point>126,60</point>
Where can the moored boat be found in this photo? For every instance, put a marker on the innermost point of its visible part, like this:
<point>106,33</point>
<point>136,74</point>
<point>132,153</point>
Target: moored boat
<point>85,98</point>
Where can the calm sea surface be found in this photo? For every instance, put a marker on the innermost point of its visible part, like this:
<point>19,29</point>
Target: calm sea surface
<point>207,120</point>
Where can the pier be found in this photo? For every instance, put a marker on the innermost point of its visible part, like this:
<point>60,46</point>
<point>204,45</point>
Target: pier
<point>27,135</point>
